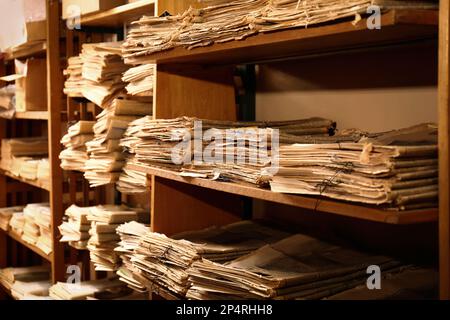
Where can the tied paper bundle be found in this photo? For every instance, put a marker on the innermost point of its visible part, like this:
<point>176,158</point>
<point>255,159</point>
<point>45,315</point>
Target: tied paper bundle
<point>73,87</point>
<point>6,215</point>
<point>102,72</point>
<point>104,238</point>
<point>75,228</point>
<point>83,290</point>
<point>174,144</point>
<point>12,276</point>
<point>74,156</point>
<point>22,149</point>
<point>297,267</point>
<point>36,230</point>
<point>140,80</point>
<point>222,21</point>
<point>397,170</point>
<point>130,236</point>
<point>106,156</point>
<point>162,262</point>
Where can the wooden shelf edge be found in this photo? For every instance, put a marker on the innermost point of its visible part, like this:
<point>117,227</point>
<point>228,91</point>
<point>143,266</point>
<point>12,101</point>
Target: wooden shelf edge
<point>311,203</point>
<point>32,115</point>
<point>35,49</point>
<point>116,17</point>
<point>34,183</point>
<point>397,25</point>
<point>33,248</point>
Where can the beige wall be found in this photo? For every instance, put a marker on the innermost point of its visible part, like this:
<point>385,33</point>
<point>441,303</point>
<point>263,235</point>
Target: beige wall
<point>375,91</point>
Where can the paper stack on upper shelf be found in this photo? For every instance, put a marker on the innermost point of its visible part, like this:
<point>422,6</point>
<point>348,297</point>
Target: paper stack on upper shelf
<point>22,149</point>
<point>73,87</point>
<point>74,156</point>
<point>83,290</point>
<point>104,239</point>
<point>140,80</point>
<point>297,267</point>
<point>102,71</point>
<point>398,169</point>
<point>75,228</point>
<point>106,156</point>
<point>6,215</point>
<point>130,236</point>
<point>222,21</point>
<point>162,261</point>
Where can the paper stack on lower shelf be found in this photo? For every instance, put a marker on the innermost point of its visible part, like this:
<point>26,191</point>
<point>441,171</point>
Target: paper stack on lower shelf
<point>74,156</point>
<point>75,228</point>
<point>104,238</point>
<point>83,290</point>
<point>35,274</point>
<point>37,227</point>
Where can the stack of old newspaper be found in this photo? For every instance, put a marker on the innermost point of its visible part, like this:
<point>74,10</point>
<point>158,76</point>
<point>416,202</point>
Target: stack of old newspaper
<point>75,228</point>
<point>83,290</point>
<point>397,169</point>
<point>106,157</point>
<point>102,72</point>
<point>22,150</point>
<point>222,21</point>
<point>234,151</point>
<point>104,239</point>
<point>130,236</point>
<point>74,156</point>
<point>132,181</point>
<point>27,280</point>
<point>162,262</point>
<point>74,84</point>
<point>140,80</point>
<point>297,267</point>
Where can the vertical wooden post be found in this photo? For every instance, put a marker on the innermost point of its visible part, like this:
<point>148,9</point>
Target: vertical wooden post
<point>444,150</point>
<point>54,82</point>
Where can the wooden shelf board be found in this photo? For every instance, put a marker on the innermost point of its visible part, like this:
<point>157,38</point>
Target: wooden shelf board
<point>33,248</point>
<point>117,17</point>
<point>311,203</point>
<point>398,25</point>
<point>27,50</point>
<point>32,115</point>
<point>34,183</point>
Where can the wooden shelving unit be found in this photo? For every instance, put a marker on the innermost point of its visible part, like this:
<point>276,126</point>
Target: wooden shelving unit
<point>117,17</point>
<point>53,189</point>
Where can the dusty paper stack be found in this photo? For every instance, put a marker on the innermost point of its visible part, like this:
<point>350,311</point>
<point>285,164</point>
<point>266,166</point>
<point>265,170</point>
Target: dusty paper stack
<point>73,87</point>
<point>140,80</point>
<point>10,276</point>
<point>27,148</point>
<point>43,170</point>
<point>162,262</point>
<point>6,215</point>
<point>174,144</point>
<point>132,181</point>
<point>17,223</point>
<point>83,290</point>
<point>104,239</point>
<point>222,21</point>
<point>397,170</point>
<point>106,156</point>
<point>36,230</point>
<point>8,101</point>
<point>130,236</point>
<point>297,267</point>
<point>102,71</point>
<point>74,156</point>
<point>22,289</point>
<point>75,228</point>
